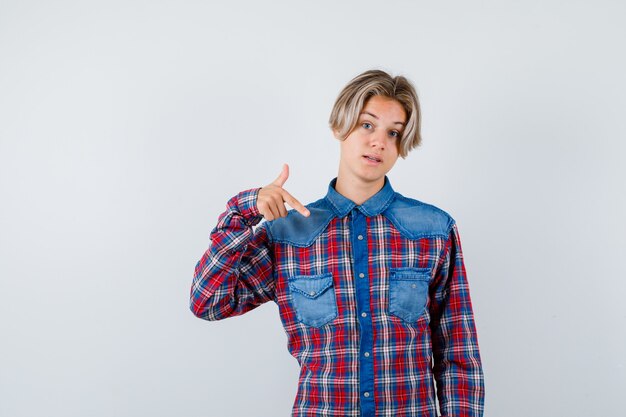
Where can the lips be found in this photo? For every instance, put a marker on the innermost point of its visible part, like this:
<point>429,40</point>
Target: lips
<point>373,158</point>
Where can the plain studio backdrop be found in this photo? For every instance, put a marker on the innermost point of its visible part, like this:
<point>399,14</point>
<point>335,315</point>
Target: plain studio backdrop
<point>126,126</point>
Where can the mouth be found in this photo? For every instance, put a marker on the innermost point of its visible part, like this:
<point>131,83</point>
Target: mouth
<point>373,158</point>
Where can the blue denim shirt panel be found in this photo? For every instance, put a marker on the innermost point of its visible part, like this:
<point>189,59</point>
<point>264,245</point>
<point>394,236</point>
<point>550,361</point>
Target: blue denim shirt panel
<point>413,218</point>
<point>314,298</point>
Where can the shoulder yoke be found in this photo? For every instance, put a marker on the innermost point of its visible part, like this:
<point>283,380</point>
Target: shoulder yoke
<point>416,219</point>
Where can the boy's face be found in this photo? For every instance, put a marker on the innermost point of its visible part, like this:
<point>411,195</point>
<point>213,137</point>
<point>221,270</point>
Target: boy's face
<point>371,148</point>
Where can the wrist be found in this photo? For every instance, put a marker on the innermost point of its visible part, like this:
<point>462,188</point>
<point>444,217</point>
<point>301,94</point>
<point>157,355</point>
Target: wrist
<point>247,207</point>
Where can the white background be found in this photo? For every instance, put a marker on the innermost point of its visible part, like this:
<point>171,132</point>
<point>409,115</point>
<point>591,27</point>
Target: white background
<point>125,126</point>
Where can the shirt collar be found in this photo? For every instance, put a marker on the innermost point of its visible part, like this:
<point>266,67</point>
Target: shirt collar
<point>374,205</point>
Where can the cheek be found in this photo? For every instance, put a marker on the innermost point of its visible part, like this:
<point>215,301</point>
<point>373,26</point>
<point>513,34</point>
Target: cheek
<point>393,158</point>
<point>349,150</point>
<point>394,147</point>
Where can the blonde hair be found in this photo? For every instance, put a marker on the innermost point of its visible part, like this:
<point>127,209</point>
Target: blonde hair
<point>353,97</point>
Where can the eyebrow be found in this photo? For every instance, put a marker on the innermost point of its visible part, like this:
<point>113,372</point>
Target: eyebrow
<point>376,117</point>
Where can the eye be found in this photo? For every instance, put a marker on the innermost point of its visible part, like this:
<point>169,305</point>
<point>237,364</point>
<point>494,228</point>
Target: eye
<point>395,134</point>
<point>365,124</point>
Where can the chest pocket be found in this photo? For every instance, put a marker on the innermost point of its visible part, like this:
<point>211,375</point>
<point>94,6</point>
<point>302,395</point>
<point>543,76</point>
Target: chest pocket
<point>408,292</point>
<point>313,298</point>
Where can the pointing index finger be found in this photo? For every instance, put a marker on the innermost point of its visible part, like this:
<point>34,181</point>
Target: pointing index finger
<point>293,202</point>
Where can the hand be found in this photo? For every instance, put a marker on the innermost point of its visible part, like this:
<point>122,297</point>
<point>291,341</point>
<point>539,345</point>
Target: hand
<point>272,198</point>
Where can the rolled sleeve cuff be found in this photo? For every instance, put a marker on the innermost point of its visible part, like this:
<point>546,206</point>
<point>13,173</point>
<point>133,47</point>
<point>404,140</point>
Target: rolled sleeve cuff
<point>246,206</point>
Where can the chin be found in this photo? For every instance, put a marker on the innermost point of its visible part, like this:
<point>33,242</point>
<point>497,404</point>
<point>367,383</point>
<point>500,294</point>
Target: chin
<point>373,178</point>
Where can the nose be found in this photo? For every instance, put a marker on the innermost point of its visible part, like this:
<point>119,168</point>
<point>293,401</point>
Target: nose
<point>378,140</point>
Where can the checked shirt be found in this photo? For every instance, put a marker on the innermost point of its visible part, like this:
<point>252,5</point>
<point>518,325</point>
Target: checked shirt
<point>374,300</point>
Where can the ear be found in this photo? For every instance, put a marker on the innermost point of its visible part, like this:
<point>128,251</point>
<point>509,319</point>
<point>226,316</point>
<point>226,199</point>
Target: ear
<point>336,134</point>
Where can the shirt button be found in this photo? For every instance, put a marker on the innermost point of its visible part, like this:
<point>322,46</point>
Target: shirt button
<point>367,354</point>
<point>360,237</point>
<point>366,394</point>
<point>364,314</point>
<point>312,293</point>
<point>361,275</point>
<point>413,286</point>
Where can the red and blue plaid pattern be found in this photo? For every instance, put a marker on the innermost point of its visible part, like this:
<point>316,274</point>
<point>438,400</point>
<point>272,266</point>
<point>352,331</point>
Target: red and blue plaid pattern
<point>361,352</point>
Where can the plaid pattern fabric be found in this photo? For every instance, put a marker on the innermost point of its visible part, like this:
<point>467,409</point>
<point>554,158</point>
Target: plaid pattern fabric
<point>374,300</point>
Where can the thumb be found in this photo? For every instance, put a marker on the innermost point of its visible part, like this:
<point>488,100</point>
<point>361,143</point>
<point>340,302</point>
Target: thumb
<point>284,174</point>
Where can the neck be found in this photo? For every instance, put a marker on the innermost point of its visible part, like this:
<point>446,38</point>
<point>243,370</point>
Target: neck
<point>358,191</point>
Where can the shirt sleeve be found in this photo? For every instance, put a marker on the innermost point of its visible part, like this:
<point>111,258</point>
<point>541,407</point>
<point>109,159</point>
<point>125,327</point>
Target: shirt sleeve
<point>235,274</point>
<point>457,364</point>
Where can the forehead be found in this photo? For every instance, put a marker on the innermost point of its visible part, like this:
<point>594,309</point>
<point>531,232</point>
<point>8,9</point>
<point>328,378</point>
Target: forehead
<point>385,108</point>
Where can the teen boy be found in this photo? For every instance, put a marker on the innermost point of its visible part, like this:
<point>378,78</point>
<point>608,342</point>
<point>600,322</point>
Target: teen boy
<point>370,285</point>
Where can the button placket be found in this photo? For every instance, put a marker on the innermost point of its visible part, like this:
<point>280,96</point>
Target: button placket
<point>361,267</point>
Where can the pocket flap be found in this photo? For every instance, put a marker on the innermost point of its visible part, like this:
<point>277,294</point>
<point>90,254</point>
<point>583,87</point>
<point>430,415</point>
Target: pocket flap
<point>420,274</point>
<point>311,286</point>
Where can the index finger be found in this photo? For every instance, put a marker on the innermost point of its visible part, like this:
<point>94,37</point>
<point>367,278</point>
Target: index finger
<point>293,202</point>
